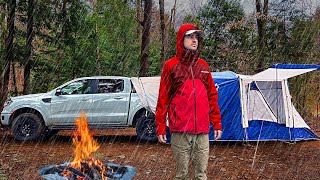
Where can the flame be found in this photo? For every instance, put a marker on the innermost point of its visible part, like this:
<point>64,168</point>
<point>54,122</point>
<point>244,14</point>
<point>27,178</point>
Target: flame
<point>84,143</point>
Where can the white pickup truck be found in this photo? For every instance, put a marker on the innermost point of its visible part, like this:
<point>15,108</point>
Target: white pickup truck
<point>108,102</point>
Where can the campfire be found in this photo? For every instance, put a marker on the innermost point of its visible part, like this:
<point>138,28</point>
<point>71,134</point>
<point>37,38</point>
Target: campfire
<point>85,166</point>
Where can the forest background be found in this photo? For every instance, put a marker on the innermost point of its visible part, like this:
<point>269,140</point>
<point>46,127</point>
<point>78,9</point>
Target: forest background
<point>44,43</point>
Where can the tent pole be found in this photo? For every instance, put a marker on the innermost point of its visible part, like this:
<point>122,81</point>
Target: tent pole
<point>277,101</point>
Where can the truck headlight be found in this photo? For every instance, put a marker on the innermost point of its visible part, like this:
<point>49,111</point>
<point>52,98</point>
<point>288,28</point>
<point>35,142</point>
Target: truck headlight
<point>8,102</point>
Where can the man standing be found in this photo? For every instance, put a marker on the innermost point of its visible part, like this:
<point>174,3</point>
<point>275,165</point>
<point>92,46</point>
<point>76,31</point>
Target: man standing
<point>188,95</point>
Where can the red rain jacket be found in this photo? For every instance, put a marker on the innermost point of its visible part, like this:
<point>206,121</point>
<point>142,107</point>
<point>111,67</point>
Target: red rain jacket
<point>187,92</point>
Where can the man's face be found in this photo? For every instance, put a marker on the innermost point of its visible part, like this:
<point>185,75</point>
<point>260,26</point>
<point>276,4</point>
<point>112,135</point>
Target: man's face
<point>190,41</point>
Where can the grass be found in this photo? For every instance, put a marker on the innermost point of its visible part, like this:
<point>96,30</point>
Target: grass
<point>3,176</point>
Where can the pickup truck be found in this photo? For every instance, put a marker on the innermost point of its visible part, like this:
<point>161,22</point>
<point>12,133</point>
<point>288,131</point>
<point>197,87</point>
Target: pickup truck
<point>108,102</point>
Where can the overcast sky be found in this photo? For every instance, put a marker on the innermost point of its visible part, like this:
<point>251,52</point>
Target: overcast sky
<point>249,5</point>
<point>184,6</point>
<point>192,6</point>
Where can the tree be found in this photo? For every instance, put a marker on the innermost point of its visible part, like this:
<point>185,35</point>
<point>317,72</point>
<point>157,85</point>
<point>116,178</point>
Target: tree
<point>173,16</point>
<point>138,15</point>
<point>29,37</point>
<point>221,37</point>
<point>146,24</point>
<point>59,28</point>
<point>118,41</point>
<point>9,52</point>
<point>261,16</point>
<point>162,32</point>
<point>3,32</point>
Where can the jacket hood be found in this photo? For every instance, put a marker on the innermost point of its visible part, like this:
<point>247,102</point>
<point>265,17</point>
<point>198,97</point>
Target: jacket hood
<point>186,55</point>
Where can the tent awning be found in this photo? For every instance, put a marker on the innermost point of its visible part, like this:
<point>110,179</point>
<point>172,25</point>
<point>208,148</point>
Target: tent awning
<point>148,90</point>
<point>279,72</point>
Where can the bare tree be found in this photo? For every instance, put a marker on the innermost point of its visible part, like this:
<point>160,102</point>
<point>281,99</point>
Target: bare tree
<point>162,32</point>
<point>261,23</point>
<point>62,35</point>
<point>27,66</point>
<point>173,15</point>
<point>144,57</point>
<point>9,52</point>
<point>138,15</point>
<point>98,64</point>
<point>170,40</point>
<point>14,78</point>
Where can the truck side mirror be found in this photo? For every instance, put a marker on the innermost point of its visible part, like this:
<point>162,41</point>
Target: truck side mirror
<point>58,92</point>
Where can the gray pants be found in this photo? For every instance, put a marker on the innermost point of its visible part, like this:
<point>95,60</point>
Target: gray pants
<point>194,147</point>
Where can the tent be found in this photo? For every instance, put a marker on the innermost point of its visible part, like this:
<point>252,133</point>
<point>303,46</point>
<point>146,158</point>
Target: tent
<point>256,107</point>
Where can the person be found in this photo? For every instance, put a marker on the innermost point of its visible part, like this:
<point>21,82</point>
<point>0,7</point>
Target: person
<point>187,95</point>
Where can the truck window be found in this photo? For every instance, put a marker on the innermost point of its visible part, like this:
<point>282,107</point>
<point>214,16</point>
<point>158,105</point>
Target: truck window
<point>110,85</point>
<point>77,87</point>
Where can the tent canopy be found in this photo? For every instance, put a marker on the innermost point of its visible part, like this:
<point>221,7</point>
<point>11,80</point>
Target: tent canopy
<point>279,72</point>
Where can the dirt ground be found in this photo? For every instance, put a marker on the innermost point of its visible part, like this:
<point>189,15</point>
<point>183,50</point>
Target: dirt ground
<point>228,160</point>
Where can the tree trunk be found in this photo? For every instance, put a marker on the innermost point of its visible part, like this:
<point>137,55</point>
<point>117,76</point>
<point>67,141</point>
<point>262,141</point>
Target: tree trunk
<point>2,25</point>
<point>171,32</point>
<point>9,52</point>
<point>138,16</point>
<point>261,23</point>
<point>61,39</point>
<point>98,64</point>
<point>173,16</point>
<point>14,78</point>
<point>3,39</point>
<point>27,67</point>
<point>162,32</point>
<point>144,57</point>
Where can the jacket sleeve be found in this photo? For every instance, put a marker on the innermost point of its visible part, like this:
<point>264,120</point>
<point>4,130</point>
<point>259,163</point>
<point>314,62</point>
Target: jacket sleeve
<point>163,100</point>
<point>215,117</point>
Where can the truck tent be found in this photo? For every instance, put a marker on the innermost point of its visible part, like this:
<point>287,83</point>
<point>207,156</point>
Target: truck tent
<point>253,108</point>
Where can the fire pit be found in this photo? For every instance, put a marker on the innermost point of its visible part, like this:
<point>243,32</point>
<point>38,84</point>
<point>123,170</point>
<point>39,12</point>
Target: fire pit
<point>84,165</point>
<point>112,171</point>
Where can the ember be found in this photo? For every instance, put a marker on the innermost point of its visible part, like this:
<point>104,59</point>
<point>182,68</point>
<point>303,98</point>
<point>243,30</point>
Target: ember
<point>84,165</point>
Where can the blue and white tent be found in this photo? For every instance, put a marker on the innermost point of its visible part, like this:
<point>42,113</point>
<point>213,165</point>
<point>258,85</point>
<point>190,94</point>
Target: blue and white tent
<point>253,108</point>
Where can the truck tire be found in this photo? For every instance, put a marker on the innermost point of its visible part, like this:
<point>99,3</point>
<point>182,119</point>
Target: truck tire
<point>146,129</point>
<point>27,127</point>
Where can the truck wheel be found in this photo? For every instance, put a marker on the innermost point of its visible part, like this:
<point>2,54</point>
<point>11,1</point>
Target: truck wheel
<point>27,127</point>
<point>146,129</point>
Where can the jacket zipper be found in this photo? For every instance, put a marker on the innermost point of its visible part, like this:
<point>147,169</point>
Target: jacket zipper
<point>194,96</point>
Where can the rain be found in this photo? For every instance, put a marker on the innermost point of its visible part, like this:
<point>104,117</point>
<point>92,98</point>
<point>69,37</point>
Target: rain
<point>101,61</point>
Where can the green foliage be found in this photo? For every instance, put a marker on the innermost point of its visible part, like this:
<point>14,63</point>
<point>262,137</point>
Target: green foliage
<point>154,59</point>
<point>84,40</point>
<point>292,38</point>
<point>171,52</point>
<point>303,47</point>
<point>119,46</point>
<point>58,52</point>
<point>225,34</point>
<point>285,23</point>
<point>192,19</point>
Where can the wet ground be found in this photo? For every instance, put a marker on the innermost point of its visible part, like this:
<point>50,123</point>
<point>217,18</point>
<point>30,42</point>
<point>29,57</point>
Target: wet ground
<point>228,160</point>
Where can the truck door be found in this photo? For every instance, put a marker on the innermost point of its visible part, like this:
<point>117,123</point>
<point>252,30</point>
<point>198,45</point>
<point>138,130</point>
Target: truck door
<point>75,97</point>
<point>110,102</point>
